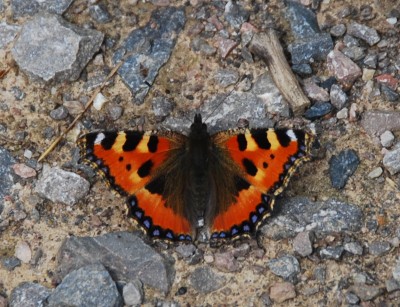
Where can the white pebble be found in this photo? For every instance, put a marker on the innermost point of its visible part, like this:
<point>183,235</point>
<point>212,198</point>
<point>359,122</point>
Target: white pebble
<point>375,173</point>
<point>23,252</point>
<point>99,101</point>
<point>342,114</point>
<point>387,139</point>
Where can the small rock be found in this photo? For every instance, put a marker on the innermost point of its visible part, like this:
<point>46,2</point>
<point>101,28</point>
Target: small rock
<point>392,285</point>
<point>91,285</point>
<point>282,291</point>
<point>226,77</point>
<point>58,185</point>
<point>286,267</point>
<point>387,139</point>
<point>133,293</point>
<point>225,262</point>
<point>114,111</point>
<point>354,248</point>
<point>23,252</point>
<point>338,30</point>
<point>388,80</point>
<point>100,13</point>
<point>32,7</point>
<point>365,292</point>
<point>201,45</point>
<point>331,252</point>
<point>391,161</point>
<point>162,107</point>
<point>59,113</point>
<point>29,294</point>
<point>389,94</point>
<point>365,33</point>
<point>379,248</point>
<point>235,14</point>
<point>355,53</point>
<point>342,114</point>
<point>28,154</point>
<point>338,97</point>
<point>342,166</point>
<point>344,69</point>
<point>7,33</point>
<point>302,243</point>
<point>6,162</point>
<point>10,263</point>
<point>376,122</point>
<point>350,41</point>
<point>225,46</point>
<point>302,69</point>
<point>204,280</point>
<point>314,92</point>
<point>242,250</point>
<point>99,101</point>
<point>351,298</point>
<point>318,110</point>
<point>186,250</point>
<point>23,170</point>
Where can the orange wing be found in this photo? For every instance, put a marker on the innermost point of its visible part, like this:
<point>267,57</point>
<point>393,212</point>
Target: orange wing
<point>132,162</point>
<point>267,159</point>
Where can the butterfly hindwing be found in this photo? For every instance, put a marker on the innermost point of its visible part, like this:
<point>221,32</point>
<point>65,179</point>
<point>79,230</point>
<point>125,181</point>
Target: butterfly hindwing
<point>267,159</point>
<point>134,164</point>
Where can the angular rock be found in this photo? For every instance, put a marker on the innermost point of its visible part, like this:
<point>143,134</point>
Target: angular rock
<point>376,122</point>
<point>282,291</point>
<point>32,7</point>
<point>23,171</point>
<point>391,161</point>
<point>338,30</point>
<point>29,294</point>
<point>90,285</point>
<point>6,162</point>
<point>387,138</point>
<point>23,252</point>
<point>365,292</point>
<point>338,97</point>
<point>300,214</point>
<point>226,77</point>
<point>125,255</point>
<point>392,285</point>
<point>58,185</point>
<point>235,14</point>
<point>152,46</point>
<point>314,92</point>
<point>61,49</point>
<point>342,166</point>
<point>133,293</point>
<point>7,33</point>
<point>365,33</point>
<point>226,262</point>
<point>225,46</point>
<point>10,263</point>
<point>351,298</point>
<point>100,13</point>
<point>355,53</point>
<point>379,248</point>
<point>318,110</point>
<point>344,69</point>
<point>331,252</point>
<point>286,267</point>
<point>205,280</point>
<point>390,95</point>
<point>302,243</point>
<point>354,247</point>
<point>59,113</point>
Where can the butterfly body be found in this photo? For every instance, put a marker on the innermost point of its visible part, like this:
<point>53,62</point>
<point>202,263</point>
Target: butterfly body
<point>221,186</point>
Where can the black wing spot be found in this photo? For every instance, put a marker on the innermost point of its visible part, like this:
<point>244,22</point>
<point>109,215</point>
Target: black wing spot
<point>265,164</point>
<point>241,184</point>
<point>283,138</point>
<point>121,158</point>
<point>156,186</point>
<point>260,137</point>
<point>128,167</point>
<point>272,156</point>
<point>242,142</point>
<point>109,140</point>
<point>152,144</point>
<point>133,139</point>
<point>251,169</point>
<point>145,169</point>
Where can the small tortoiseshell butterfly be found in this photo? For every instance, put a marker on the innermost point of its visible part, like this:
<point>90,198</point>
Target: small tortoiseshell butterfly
<point>178,186</point>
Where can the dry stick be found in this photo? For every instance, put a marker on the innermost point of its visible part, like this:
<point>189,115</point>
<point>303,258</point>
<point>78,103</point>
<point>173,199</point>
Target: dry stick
<point>88,105</point>
<point>267,47</point>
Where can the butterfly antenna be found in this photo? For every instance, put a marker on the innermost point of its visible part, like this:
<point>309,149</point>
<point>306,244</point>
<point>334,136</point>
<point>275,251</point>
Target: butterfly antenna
<point>224,98</point>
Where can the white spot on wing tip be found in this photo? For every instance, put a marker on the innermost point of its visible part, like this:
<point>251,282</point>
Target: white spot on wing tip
<point>100,137</point>
<point>291,134</point>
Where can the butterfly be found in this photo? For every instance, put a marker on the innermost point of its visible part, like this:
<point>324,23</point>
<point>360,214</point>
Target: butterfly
<point>178,187</point>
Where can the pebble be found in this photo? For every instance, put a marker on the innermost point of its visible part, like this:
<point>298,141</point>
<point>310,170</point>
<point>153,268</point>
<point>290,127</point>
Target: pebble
<point>205,280</point>
<point>59,113</point>
<point>391,161</point>
<point>351,298</point>
<point>286,267</point>
<point>186,250</point>
<point>242,250</point>
<point>350,41</point>
<point>225,46</point>
<point>23,170</point>
<point>389,94</point>
<point>114,111</point>
<point>201,45</point>
<point>365,292</point>
<point>100,13</point>
<point>133,293</point>
<point>91,285</point>
<point>61,186</point>
<point>376,122</point>
<point>303,243</point>
<point>338,30</point>
<point>368,74</point>
<point>331,252</point>
<point>388,80</point>
<point>342,114</point>
<point>338,97</point>
<point>355,53</point>
<point>32,7</point>
<point>226,262</point>
<point>387,139</point>
<point>41,34</point>
<point>10,263</point>
<point>23,252</point>
<point>342,166</point>
<point>152,45</point>
<point>6,162</point>
<point>125,254</point>
<point>344,69</point>
<point>354,248</point>
<point>392,285</point>
<point>99,101</point>
<point>29,294</point>
<point>370,60</point>
<point>282,291</point>
<point>235,14</point>
<point>392,20</point>
<point>314,92</point>
<point>162,106</point>
<point>317,110</point>
<point>226,77</point>
<point>379,248</point>
<point>7,33</point>
<point>363,32</point>
<point>302,69</point>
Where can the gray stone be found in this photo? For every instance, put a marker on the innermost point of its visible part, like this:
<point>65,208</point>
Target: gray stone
<point>10,263</point>
<point>300,214</point>
<point>99,13</point>
<point>331,252</point>
<point>226,262</point>
<point>152,46</point>
<point>58,185</point>
<point>162,107</point>
<point>125,255</point>
<point>387,139</point>
<point>201,45</point>
<point>365,33</point>
<point>282,291</point>
<point>350,41</point>
<point>338,30</point>
<point>354,248</point>
<point>365,292</point>
<point>315,92</point>
<point>29,294</point>
<point>355,53</point>
<point>114,111</point>
<point>376,122</point>
<point>235,14</point>
<point>391,161</point>
<point>133,293</point>
<point>371,60</point>
<point>226,77</point>
<point>351,298</point>
<point>302,69</point>
<point>61,49</point>
<point>7,33</point>
<point>396,271</point>
<point>343,68</point>
<point>205,280</point>
<point>311,49</point>
<point>375,173</point>
<point>59,113</point>
<point>392,285</point>
<point>338,97</point>
<point>303,243</point>
<point>379,248</point>
<point>90,285</point>
<point>32,7</point>
<point>6,177</point>
<point>317,110</point>
<point>342,114</point>
<point>186,250</point>
<point>286,267</point>
<point>390,94</point>
<point>342,166</point>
